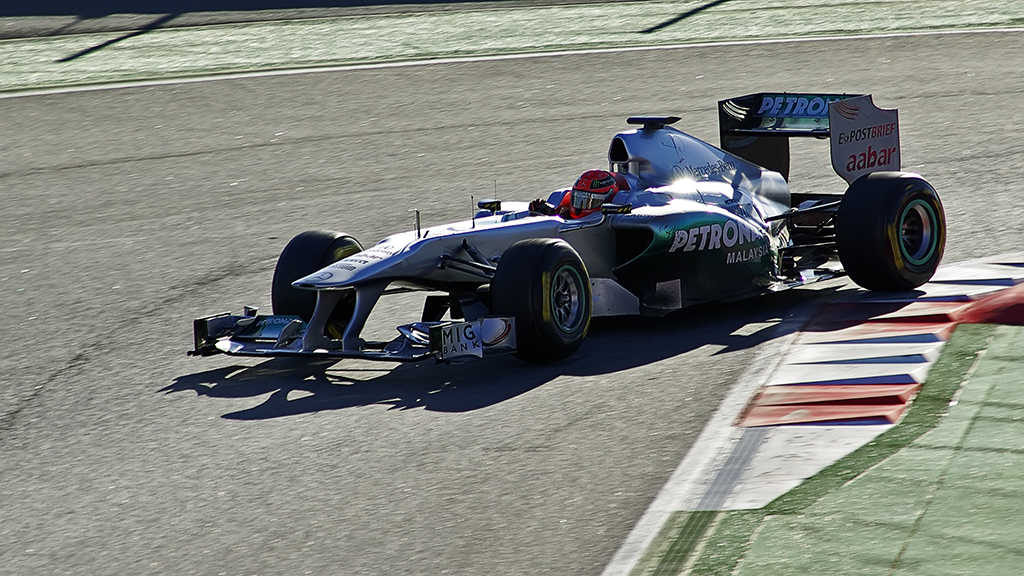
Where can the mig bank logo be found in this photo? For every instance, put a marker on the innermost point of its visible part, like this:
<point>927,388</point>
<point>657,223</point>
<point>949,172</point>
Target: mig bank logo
<point>461,339</point>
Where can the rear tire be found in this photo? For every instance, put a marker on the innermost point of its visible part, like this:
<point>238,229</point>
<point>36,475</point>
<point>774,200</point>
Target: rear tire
<point>890,231</point>
<point>545,286</point>
<point>305,254</point>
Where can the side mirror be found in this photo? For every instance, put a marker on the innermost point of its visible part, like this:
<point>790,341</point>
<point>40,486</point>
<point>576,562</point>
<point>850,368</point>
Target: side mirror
<point>490,205</point>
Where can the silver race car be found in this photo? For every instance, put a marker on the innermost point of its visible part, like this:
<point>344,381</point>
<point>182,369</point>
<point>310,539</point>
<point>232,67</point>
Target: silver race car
<point>684,223</point>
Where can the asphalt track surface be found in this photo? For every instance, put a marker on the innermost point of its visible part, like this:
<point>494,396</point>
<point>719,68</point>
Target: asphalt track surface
<point>128,212</point>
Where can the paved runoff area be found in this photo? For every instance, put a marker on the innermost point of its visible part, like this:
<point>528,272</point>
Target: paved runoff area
<point>886,438</point>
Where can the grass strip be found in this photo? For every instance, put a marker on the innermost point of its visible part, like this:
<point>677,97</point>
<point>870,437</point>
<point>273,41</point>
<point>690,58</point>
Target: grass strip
<point>680,536</point>
<point>156,51</point>
<point>728,543</point>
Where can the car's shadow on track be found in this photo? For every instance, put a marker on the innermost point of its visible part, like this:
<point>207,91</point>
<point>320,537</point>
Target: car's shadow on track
<point>300,386</point>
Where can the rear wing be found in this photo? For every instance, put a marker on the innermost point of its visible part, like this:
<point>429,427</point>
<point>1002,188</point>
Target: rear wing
<point>864,138</point>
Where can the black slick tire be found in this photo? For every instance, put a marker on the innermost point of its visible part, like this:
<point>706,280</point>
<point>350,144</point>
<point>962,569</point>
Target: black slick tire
<point>890,231</point>
<point>306,253</point>
<point>544,285</point>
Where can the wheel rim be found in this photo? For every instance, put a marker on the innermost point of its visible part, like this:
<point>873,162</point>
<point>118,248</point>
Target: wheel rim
<point>918,229</point>
<point>566,302</point>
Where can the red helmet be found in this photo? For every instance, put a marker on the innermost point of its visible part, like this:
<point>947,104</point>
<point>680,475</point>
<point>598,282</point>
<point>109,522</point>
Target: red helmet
<point>594,187</point>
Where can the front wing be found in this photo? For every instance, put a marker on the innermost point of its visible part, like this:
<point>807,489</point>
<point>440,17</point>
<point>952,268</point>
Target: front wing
<point>251,334</point>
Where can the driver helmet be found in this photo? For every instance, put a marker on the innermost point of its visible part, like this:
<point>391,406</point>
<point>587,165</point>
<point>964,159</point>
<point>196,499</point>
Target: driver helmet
<point>591,190</point>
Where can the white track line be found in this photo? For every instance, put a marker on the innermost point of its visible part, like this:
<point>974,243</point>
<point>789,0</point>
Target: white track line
<point>492,58</point>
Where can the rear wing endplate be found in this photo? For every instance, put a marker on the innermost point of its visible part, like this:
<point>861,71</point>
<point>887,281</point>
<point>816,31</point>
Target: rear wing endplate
<point>757,127</point>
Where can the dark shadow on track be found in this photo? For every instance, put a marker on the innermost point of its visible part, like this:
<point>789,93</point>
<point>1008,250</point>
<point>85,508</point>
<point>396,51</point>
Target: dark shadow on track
<point>683,16</point>
<point>48,18</point>
<point>613,345</point>
<point>86,9</point>
<point>147,28</point>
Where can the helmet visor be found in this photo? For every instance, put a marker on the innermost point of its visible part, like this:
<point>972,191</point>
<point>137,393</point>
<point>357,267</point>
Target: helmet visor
<point>587,200</point>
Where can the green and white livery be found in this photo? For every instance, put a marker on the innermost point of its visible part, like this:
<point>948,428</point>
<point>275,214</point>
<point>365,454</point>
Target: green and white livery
<point>691,223</point>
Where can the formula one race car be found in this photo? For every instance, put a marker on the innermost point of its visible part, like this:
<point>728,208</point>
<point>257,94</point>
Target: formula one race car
<point>685,223</point>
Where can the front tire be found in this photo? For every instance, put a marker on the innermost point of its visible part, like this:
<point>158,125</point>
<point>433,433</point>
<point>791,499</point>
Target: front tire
<point>305,254</point>
<point>890,231</point>
<point>545,286</point>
